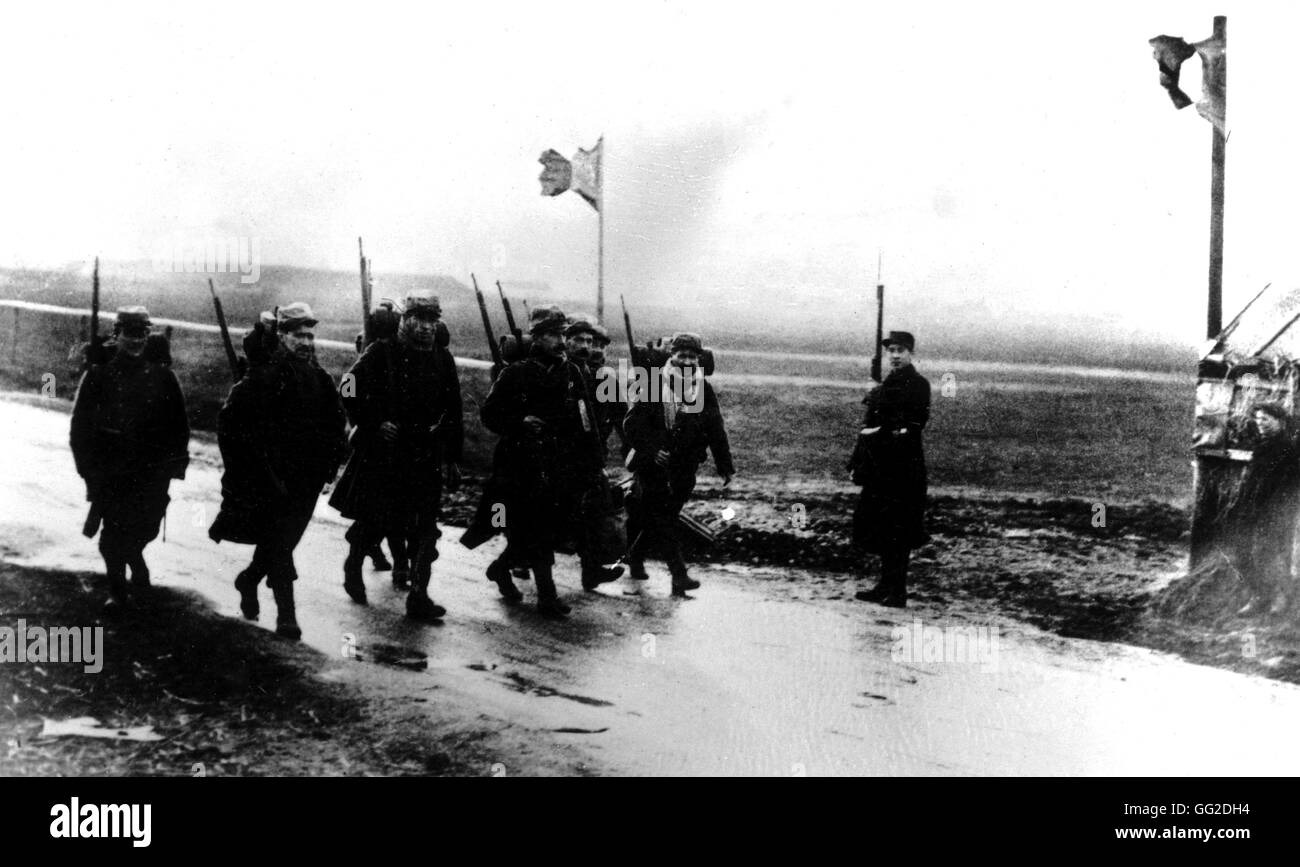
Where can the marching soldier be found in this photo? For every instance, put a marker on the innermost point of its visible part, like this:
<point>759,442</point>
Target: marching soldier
<point>589,355</point>
<point>129,438</point>
<point>385,320</point>
<point>548,456</point>
<point>584,342</point>
<point>669,433</point>
<point>889,463</point>
<point>403,396</point>
<point>281,433</point>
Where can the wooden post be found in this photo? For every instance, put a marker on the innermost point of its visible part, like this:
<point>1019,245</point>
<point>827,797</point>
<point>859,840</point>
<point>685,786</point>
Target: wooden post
<point>1219,75</point>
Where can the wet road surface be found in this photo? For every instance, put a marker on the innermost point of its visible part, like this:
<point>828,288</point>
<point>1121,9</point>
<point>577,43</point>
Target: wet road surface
<point>742,679</point>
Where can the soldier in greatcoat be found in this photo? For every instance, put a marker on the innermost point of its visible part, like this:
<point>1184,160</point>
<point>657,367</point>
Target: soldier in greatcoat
<point>281,434</point>
<point>403,398</point>
<point>129,439</point>
<point>889,464</point>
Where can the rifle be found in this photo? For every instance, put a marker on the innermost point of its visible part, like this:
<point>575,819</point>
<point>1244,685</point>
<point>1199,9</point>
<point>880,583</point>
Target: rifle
<point>510,316</point>
<point>92,355</point>
<point>225,333</point>
<point>880,319</point>
<point>627,325</point>
<point>365,294</point>
<point>634,352</point>
<point>497,364</point>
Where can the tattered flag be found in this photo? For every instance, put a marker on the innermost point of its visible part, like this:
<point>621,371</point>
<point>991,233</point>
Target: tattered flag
<point>557,173</point>
<point>1170,52</point>
<point>580,174</point>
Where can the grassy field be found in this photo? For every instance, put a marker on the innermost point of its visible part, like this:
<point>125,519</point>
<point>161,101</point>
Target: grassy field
<point>1001,428</point>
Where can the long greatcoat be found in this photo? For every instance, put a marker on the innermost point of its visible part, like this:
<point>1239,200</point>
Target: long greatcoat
<point>538,478</point>
<point>420,393</point>
<point>281,434</point>
<point>890,465</point>
<point>129,437</point>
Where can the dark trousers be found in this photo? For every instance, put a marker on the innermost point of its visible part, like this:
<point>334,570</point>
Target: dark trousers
<point>893,570</point>
<point>273,556</point>
<point>652,511</point>
<point>132,507</point>
<point>414,535</point>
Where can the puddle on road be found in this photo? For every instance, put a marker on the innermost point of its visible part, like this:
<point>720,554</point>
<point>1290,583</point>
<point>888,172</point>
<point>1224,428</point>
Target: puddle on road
<point>519,683</point>
<point>393,655</point>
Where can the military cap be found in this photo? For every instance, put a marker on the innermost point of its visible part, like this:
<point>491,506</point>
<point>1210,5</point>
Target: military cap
<point>132,317</point>
<point>267,320</point>
<point>292,316</point>
<point>902,338</point>
<point>686,340</point>
<point>584,324</point>
<point>545,319</point>
<point>422,302</point>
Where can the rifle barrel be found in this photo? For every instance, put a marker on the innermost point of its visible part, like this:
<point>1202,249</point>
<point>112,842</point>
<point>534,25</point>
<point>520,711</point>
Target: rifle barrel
<point>487,324</point>
<point>365,294</point>
<point>94,308</point>
<point>231,357</point>
<point>510,316</point>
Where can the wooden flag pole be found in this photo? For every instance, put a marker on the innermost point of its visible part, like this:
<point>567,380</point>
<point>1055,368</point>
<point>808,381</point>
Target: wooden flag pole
<point>1219,74</point>
<point>600,231</point>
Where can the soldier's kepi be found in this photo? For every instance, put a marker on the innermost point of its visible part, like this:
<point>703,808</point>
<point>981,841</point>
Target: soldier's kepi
<point>281,434</point>
<point>129,438</point>
<point>403,398</point>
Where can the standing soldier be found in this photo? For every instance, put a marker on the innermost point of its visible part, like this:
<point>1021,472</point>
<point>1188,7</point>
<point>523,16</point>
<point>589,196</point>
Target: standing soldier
<point>130,438</point>
<point>889,463</point>
<point>548,455</point>
<point>670,425</point>
<point>281,433</point>
<point>403,396</point>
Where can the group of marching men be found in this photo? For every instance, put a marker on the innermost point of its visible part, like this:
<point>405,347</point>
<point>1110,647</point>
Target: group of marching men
<point>394,422</point>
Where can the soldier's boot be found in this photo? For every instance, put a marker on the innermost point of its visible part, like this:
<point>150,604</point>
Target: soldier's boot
<point>353,584</point>
<point>548,601</point>
<point>139,569</point>
<point>286,617</point>
<point>594,574</point>
<point>893,579</point>
<point>377,558</point>
<point>401,573</point>
<point>418,604</point>
<point>246,583</point>
<point>875,594</point>
<point>681,581</point>
<point>118,600</point>
<point>111,549</point>
<point>636,569</point>
<point>499,574</point>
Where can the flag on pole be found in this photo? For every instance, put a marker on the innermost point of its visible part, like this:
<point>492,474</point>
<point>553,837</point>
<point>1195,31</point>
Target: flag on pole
<point>1170,52</point>
<point>580,174</point>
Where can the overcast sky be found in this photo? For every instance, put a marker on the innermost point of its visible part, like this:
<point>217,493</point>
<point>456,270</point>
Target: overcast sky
<point>760,149</point>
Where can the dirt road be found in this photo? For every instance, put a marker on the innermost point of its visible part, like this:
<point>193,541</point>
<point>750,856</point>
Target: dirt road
<point>743,679</point>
